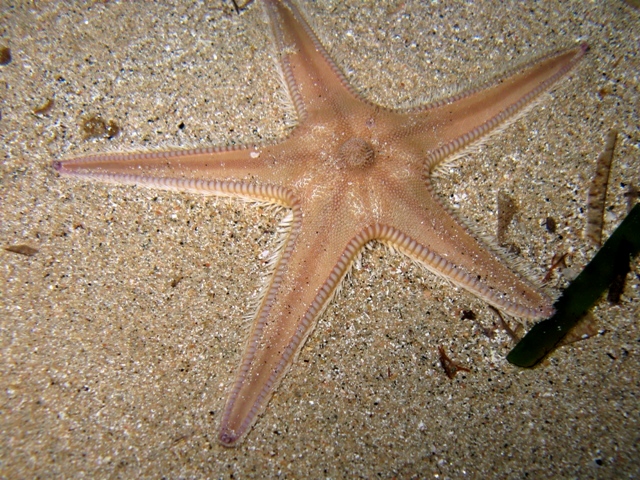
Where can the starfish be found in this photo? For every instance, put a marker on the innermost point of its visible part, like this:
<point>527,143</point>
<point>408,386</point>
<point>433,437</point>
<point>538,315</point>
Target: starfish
<point>349,173</point>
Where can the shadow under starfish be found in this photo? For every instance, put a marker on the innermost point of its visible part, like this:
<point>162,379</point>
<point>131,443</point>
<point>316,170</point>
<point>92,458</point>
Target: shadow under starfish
<point>351,172</point>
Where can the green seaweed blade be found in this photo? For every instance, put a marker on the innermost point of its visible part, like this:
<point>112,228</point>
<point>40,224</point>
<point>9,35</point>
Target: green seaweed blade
<point>582,293</point>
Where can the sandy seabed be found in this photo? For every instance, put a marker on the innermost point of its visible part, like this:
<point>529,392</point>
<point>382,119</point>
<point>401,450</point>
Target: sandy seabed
<point>120,336</point>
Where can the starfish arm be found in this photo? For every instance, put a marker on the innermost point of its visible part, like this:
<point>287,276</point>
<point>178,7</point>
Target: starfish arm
<point>312,78</point>
<point>467,118</point>
<point>312,263</point>
<point>241,172</point>
<point>422,228</point>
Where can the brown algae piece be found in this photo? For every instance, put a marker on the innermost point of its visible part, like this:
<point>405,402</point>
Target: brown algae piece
<point>44,108</point>
<point>22,250</point>
<point>598,191</point>
<point>96,127</point>
<point>507,208</point>
<point>5,56</point>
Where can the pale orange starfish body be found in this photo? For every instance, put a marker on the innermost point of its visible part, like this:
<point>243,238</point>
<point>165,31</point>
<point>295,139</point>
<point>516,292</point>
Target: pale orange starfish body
<point>349,173</point>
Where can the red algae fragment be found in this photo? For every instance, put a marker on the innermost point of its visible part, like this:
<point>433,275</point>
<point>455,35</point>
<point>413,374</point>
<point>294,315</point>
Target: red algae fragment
<point>450,367</point>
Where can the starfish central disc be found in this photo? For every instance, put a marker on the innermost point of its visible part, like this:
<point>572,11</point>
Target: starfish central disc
<point>355,153</point>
